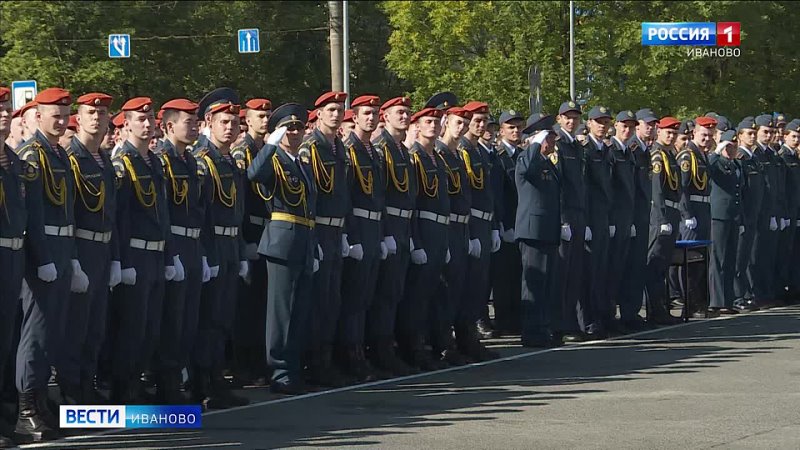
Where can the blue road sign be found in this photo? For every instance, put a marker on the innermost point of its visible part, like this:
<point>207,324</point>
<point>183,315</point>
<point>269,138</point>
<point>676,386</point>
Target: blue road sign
<point>248,41</point>
<point>22,92</point>
<point>119,45</point>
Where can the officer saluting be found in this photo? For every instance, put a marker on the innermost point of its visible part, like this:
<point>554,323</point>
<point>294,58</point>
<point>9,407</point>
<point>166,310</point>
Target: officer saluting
<point>288,243</point>
<point>97,244</point>
<point>143,225</point>
<point>220,109</point>
<point>52,269</point>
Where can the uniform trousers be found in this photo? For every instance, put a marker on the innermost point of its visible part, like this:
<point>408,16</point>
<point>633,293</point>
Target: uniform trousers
<point>633,287</point>
<point>618,249</point>
<point>327,282</point>
<point>13,263</point>
<point>476,285</point>
<point>390,291</point>
<point>598,304</point>
<point>251,318</point>
<point>569,279</point>
<point>743,282</point>
<point>659,257</point>
<point>762,261</point>
<point>722,267</point>
<point>451,299</point>
<point>539,298</point>
<point>506,273</point>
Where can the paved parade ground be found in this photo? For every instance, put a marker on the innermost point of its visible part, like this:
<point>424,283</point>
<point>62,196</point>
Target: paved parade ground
<point>723,383</point>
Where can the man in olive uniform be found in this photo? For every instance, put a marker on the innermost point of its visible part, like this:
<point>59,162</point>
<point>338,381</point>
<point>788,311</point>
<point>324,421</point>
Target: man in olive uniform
<point>429,244</point>
<point>225,214</point>
<point>328,157</point>
<point>599,231</point>
<point>538,230</point>
<point>727,181</point>
<point>18,181</point>
<point>664,219</point>
<point>97,246</point>
<point>790,240</point>
<point>250,324</point>
<point>52,269</point>
<point>571,165</point>
<point>364,232</point>
<point>400,197</point>
<point>288,243</point>
<point>623,183</point>
<point>189,192</point>
<point>755,187</point>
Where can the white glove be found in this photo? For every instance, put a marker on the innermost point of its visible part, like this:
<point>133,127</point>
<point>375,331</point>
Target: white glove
<point>566,232</point>
<point>495,240</point>
<point>214,270</point>
<point>741,229</point>
<point>180,271</point>
<point>474,248</point>
<point>356,252</point>
<point>251,251</point>
<point>384,251</point>
<point>206,270</point>
<point>419,256</point>
<point>541,136</point>
<point>587,235</point>
<point>773,224</point>
<point>169,273</point>
<point>319,250</point>
<point>114,274</point>
<point>47,273</point>
<point>508,235</point>
<point>447,257</point>
<point>244,269</point>
<point>411,244</point>
<point>80,281</point>
<point>633,231</point>
<point>276,136</point>
<point>129,276</point>
<point>391,244</point>
<point>690,224</point>
<point>665,229</point>
<point>346,247</point>
<point>721,146</point>
<point>316,265</point>
<point>784,223</point>
<point>612,230</point>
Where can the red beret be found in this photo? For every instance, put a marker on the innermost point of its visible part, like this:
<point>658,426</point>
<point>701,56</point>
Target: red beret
<point>312,116</point>
<point>477,107</point>
<point>330,97</point>
<point>669,122</point>
<point>158,123</point>
<point>5,94</point>
<point>53,96</point>
<point>348,115</point>
<point>26,106</point>
<point>139,104</point>
<point>397,101</point>
<point>259,103</point>
<point>242,114</point>
<point>118,120</point>
<point>16,113</point>
<point>366,100</point>
<point>179,104</point>
<point>460,112</point>
<point>224,107</point>
<point>380,117</point>
<point>707,122</point>
<point>73,122</point>
<point>426,112</point>
<point>95,99</point>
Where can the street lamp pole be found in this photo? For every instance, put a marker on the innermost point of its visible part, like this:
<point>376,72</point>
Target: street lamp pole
<point>571,50</point>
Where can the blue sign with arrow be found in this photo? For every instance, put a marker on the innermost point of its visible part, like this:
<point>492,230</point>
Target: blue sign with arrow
<point>119,45</point>
<point>248,41</point>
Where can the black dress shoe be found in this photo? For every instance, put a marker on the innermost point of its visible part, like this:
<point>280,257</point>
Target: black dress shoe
<point>635,325</point>
<point>727,312</point>
<point>287,388</point>
<point>665,319</point>
<point>484,329</point>
<point>572,338</point>
<point>540,341</point>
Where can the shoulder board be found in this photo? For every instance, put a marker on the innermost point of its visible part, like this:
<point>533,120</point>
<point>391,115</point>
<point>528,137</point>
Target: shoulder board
<point>30,172</point>
<point>634,145</point>
<point>202,166</point>
<point>200,152</point>
<point>119,167</point>
<point>239,152</point>
<point>656,156</point>
<point>379,141</point>
<point>69,150</point>
<point>685,153</point>
<point>30,153</point>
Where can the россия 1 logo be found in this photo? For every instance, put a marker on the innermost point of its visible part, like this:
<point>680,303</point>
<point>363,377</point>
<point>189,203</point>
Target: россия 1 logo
<point>707,35</point>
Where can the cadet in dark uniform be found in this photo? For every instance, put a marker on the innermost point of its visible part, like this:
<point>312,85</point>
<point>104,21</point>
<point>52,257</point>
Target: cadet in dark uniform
<point>664,219</point>
<point>225,215</point>
<point>49,269</point>
<point>18,181</point>
<point>631,297</point>
<point>143,226</point>
<point>623,184</point>
<point>790,240</point>
<point>599,198</point>
<point>188,195</point>
<point>695,207</point>
<point>506,271</point>
<point>727,181</point>
<point>400,195</point>
<point>328,159</point>
<point>752,201</point>
<point>97,244</point>
<point>289,244</point>
<point>251,321</point>
<point>538,229</point>
<point>765,244</point>
<point>429,249</point>
<point>685,132</point>
<point>483,228</point>
<point>367,188</point>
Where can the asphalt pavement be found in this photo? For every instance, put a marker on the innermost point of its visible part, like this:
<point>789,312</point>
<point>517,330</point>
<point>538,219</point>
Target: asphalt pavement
<point>723,383</point>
